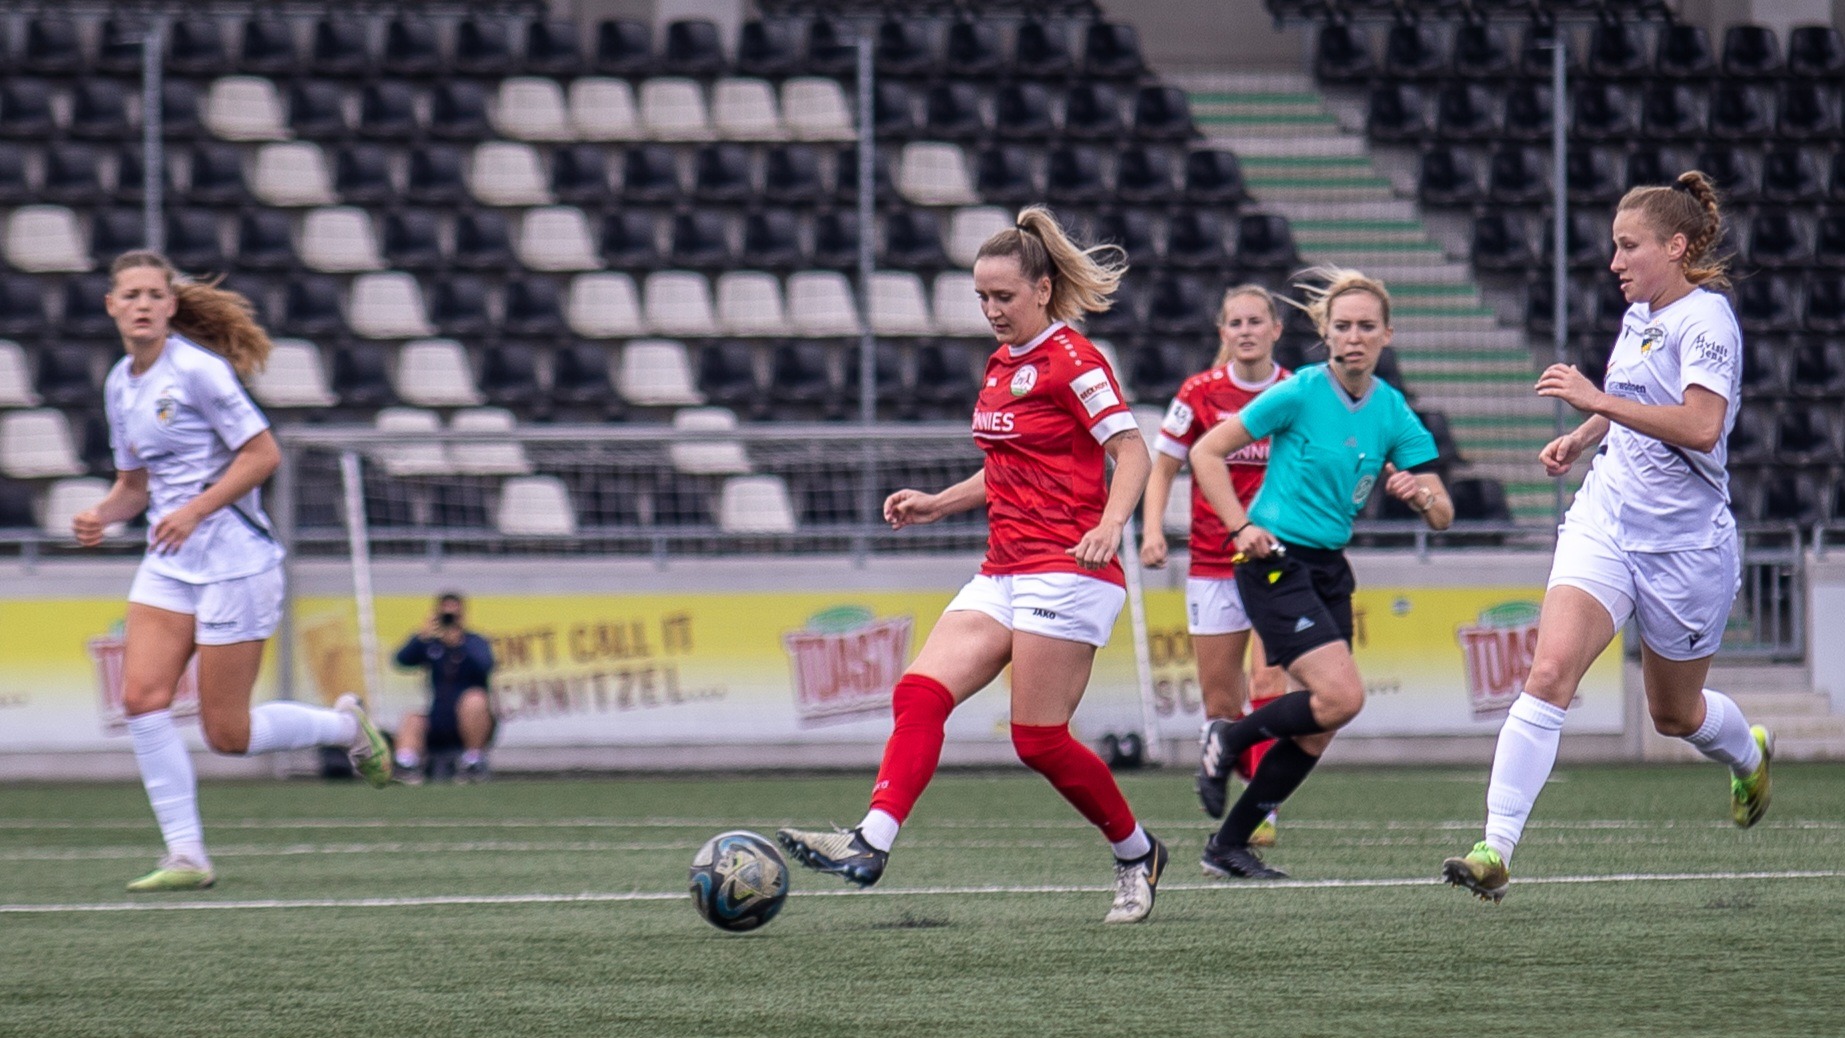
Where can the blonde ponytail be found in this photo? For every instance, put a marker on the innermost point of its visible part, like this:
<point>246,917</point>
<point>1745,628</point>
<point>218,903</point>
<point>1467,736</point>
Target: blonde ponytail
<point>1082,279</point>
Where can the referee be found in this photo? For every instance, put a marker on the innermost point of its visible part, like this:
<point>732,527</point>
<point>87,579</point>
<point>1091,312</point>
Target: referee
<point>1335,430</point>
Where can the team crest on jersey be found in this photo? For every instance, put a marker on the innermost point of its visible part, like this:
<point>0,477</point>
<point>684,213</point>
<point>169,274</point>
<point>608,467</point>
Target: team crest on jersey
<point>166,405</point>
<point>1362,491</point>
<point>1023,382</point>
<point>1651,337</point>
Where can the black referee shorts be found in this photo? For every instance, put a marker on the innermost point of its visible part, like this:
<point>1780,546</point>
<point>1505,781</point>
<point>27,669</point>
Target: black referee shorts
<point>1297,602</point>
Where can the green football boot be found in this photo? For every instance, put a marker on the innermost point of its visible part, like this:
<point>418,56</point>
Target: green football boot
<point>1749,796</point>
<point>1481,870</point>
<point>371,755</point>
<point>174,873</point>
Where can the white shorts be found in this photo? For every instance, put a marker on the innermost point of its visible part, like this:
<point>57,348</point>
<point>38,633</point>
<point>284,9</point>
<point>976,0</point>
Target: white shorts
<point>224,612</point>
<point>1069,606</point>
<point>1214,606</point>
<point>1681,598</point>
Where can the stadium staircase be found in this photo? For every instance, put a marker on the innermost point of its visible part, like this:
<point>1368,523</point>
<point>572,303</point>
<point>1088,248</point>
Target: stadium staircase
<point>1301,161</point>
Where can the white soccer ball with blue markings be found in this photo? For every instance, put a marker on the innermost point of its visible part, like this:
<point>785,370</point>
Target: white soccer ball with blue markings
<point>739,881</point>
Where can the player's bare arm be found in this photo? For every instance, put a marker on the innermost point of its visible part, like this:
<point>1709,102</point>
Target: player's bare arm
<point>1153,511</point>
<point>1561,453</point>
<point>1423,492</point>
<point>1129,481</point>
<point>1211,475</point>
<point>908,507</point>
<point>1696,424</point>
<point>255,462</point>
<point>127,498</point>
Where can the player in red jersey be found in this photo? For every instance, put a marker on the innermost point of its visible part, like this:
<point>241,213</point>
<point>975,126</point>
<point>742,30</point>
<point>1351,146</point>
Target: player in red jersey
<point>1248,327</point>
<point>1049,416</point>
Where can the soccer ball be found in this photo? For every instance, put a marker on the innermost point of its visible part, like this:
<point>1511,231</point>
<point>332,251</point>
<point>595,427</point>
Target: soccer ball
<point>739,881</point>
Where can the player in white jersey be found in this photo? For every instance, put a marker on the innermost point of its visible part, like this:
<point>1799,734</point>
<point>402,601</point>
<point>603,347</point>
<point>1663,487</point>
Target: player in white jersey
<point>191,449</point>
<point>1650,536</point>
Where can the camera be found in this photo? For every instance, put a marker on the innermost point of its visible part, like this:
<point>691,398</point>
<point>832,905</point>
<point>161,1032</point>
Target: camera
<point>448,618</point>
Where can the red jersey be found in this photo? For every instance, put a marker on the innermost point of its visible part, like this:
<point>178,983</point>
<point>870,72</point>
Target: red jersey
<point>1204,400</point>
<point>1043,414</point>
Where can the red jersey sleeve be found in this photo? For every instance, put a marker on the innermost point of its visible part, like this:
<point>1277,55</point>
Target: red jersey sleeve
<point>1093,396</point>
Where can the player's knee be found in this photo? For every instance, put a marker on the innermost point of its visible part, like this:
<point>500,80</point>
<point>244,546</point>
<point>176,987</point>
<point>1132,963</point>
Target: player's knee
<point>225,735</point>
<point>1550,682</point>
<point>143,697</point>
<point>1336,705</point>
<point>1039,745</point>
<point>1673,722</point>
<point>473,703</point>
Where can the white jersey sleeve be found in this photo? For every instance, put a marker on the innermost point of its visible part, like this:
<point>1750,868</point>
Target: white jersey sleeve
<point>115,407</point>
<point>1710,353</point>
<point>224,403</point>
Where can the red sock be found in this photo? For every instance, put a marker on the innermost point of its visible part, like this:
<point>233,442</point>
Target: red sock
<point>1251,759</point>
<point>1078,774</point>
<point>921,706</point>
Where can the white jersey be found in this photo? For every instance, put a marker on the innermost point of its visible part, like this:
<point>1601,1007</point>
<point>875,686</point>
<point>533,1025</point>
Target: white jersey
<point>183,420</point>
<point>1650,495</point>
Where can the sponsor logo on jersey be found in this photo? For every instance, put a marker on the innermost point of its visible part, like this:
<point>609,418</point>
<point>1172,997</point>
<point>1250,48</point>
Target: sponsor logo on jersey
<point>1023,382</point>
<point>993,422</point>
<point>1651,337</point>
<point>1043,614</point>
<point>1709,349</point>
<point>1094,392</point>
<point>1253,454</point>
<point>1363,489</point>
<point>1178,419</point>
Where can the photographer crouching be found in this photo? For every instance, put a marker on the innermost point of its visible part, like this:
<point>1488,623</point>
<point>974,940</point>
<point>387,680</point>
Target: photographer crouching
<point>460,716</point>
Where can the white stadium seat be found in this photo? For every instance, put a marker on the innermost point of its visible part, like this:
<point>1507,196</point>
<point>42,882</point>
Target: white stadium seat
<point>416,449</point>
<point>35,444</point>
<point>15,380</point>
<point>1178,515</point>
<point>245,108</point>
<point>293,377</point>
<point>969,227</point>
<point>45,239</point>
<point>678,302</point>
<point>744,109</point>
<point>488,457</point>
<point>815,109</point>
<point>935,173</point>
<point>749,303</point>
<point>820,304</point>
<point>66,498</point>
<point>507,173</point>
<point>531,108</point>
<point>755,504</point>
<point>340,240</point>
<point>657,372</point>
<point>707,457</point>
<point>388,305</point>
<point>556,238</point>
<point>897,304</point>
<point>535,506</point>
<point>435,373</point>
<point>292,174</point>
<point>604,306</point>
<point>955,306</point>
<point>673,109</point>
<point>1148,417</point>
<point>603,109</point>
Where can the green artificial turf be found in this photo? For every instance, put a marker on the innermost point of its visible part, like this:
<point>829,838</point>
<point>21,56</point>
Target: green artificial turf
<point>953,941</point>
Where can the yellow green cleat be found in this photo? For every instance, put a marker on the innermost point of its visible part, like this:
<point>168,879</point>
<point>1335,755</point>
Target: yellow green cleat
<point>1749,796</point>
<point>1480,870</point>
<point>1264,836</point>
<point>371,755</point>
<point>174,873</point>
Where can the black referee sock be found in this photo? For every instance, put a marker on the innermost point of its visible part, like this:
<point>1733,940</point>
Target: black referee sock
<point>1284,767</point>
<point>1286,717</point>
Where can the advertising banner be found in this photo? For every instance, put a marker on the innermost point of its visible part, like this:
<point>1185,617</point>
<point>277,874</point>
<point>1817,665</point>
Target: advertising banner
<point>715,668</point>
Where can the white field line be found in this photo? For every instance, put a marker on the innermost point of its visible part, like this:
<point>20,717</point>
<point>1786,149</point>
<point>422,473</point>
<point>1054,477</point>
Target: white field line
<point>967,891</point>
<point>1346,825</point>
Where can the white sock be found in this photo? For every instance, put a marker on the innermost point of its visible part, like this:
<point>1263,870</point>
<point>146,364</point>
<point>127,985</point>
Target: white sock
<point>406,759</point>
<point>880,829</point>
<point>1135,846</point>
<point>295,726</point>
<point>1724,736</point>
<point>172,789</point>
<point>1521,765</point>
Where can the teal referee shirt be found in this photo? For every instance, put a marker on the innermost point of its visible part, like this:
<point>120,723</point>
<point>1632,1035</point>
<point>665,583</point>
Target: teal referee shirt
<point>1326,452</point>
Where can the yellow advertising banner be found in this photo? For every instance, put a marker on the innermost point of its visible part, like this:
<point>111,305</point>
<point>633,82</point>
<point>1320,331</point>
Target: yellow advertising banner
<point>781,667</point>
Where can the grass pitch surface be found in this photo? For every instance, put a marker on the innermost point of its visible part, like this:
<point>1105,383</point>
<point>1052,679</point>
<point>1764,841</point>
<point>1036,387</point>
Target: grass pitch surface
<point>558,907</point>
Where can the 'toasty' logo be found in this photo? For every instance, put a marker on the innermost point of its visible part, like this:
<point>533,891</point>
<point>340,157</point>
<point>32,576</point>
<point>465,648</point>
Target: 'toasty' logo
<point>1497,650</point>
<point>846,661</point>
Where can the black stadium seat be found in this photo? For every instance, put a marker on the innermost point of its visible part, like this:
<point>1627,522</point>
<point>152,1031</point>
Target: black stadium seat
<point>25,108</point>
<point>1815,52</point>
<point>1589,176</point>
<point>624,47</point>
<point>72,175</point>
<point>1143,176</point>
<point>15,189</point>
<point>692,48</point>
<point>1162,113</point>
<point>1684,51</point>
<point>551,48</point>
<point>1073,176</point>
<point>411,47</point>
<point>1790,173</point>
<point>53,47</point>
<point>1480,52</point>
<point>195,47</point>
<point>1448,178</point>
<point>1518,176</point>
<point>1807,110</point>
<point>1092,111</point>
<point>317,109</point>
<point>1111,50</point>
<point>1617,50</point>
<point>408,238</point>
<point>630,239</point>
<point>893,109</point>
<point>771,241</point>
<point>768,48</point>
<point>1778,239</point>
<point>1196,238</point>
<point>700,240</point>
<point>362,174</point>
<point>483,240</point>
<point>1413,51</point>
<point>1003,174</point>
<point>1214,177</point>
<point>904,47</point>
<point>1342,54</point>
<point>1396,113</point>
<point>913,241</point>
<point>534,308</point>
<point>1528,112</point>
<point>1041,51</point>
<point>1670,110</point>
<point>1023,110</point>
<point>791,175</point>
<point>952,111</point>
<point>484,47</point>
<point>267,47</point>
<point>264,241</point>
<point>99,110</point>
<point>1602,111</point>
<point>387,111</point>
<point>836,239</point>
<point>1740,112</point>
<point>1500,242</point>
<point>1751,52</point>
<point>458,305</point>
<point>339,48</point>
<point>435,176</point>
<point>1465,112</point>
<point>972,51</point>
<point>1265,242</point>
